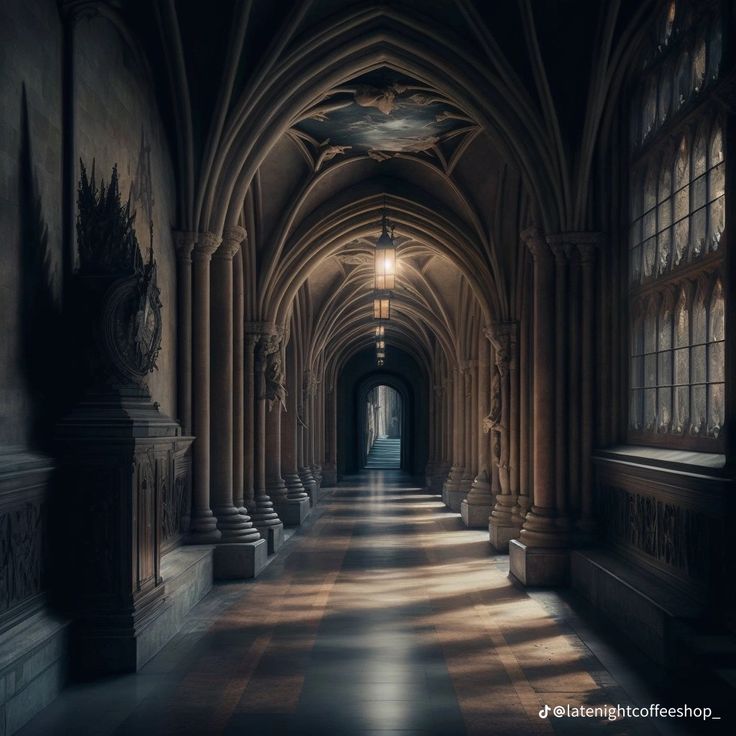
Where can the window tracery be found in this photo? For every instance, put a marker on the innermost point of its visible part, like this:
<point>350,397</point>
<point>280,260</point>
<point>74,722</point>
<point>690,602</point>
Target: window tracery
<point>677,216</point>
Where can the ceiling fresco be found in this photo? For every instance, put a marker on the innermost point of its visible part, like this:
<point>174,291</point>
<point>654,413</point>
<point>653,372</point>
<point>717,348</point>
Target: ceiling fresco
<point>383,115</point>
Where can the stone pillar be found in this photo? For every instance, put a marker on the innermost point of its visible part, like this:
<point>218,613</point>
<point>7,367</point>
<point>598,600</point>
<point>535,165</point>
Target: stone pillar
<point>241,553</point>
<point>560,250</point>
<point>476,508</point>
<point>587,248</point>
<point>523,502</point>
<point>184,243</point>
<point>452,490</point>
<point>502,525</point>
<point>250,417</point>
<point>315,423</point>
<point>238,398</point>
<point>540,555</point>
<point>330,469</point>
<point>265,518</point>
<point>295,507</point>
<point>469,472</point>
<point>203,528</point>
<point>275,377</point>
<point>305,470</point>
<point>234,526</point>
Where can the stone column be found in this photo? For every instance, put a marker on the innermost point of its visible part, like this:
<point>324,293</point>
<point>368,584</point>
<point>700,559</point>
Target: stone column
<point>476,508</point>
<point>184,243</point>
<point>250,417</point>
<point>560,250</point>
<point>275,377</point>
<point>587,248</point>
<point>525,411</point>
<point>203,528</point>
<point>234,526</point>
<point>265,518</point>
<point>452,491</point>
<point>305,470</point>
<point>241,553</point>
<point>502,525</point>
<point>540,555</point>
<point>468,470</point>
<point>330,469</point>
<point>295,507</point>
<point>314,430</point>
<point>238,385</point>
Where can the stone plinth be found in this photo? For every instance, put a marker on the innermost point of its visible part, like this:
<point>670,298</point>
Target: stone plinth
<point>240,561</point>
<point>293,511</point>
<point>538,566</point>
<point>475,516</point>
<point>453,498</point>
<point>274,536</point>
<point>501,534</point>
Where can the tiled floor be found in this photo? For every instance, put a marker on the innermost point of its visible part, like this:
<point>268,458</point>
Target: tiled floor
<point>382,615</point>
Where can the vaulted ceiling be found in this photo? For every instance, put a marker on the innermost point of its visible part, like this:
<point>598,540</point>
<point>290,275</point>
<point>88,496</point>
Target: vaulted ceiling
<point>467,120</point>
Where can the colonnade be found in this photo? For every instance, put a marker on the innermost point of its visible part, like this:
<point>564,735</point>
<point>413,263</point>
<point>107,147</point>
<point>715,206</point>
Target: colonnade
<point>512,426</point>
<point>259,466</point>
<point>511,412</point>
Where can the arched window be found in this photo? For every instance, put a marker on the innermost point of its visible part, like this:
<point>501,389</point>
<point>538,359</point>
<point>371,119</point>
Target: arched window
<point>677,234</point>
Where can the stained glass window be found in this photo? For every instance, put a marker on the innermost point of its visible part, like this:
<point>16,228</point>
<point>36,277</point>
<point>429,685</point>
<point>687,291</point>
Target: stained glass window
<point>676,236</point>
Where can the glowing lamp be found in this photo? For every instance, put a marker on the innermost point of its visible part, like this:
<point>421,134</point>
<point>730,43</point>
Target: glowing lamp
<point>382,306</point>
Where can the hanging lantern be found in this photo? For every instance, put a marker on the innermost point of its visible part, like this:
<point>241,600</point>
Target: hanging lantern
<point>382,305</point>
<point>385,256</point>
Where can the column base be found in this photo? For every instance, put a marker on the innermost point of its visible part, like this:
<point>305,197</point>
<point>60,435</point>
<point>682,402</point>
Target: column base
<point>293,511</point>
<point>453,498</point>
<point>240,561</point>
<point>203,530</point>
<point>538,566</point>
<point>475,516</point>
<point>234,526</point>
<point>501,534</point>
<point>329,476</point>
<point>274,536</point>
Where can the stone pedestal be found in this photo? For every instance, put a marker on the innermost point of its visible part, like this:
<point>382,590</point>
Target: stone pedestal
<point>538,566</point>
<point>240,561</point>
<point>476,508</point>
<point>274,536</point>
<point>474,517</point>
<point>117,454</point>
<point>329,475</point>
<point>453,498</point>
<point>293,511</point>
<point>501,534</point>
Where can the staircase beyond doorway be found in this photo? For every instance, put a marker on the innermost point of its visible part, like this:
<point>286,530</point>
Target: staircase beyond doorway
<point>385,453</point>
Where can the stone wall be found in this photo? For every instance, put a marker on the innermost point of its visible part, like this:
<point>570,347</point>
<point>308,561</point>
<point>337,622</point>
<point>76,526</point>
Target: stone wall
<point>116,122</point>
<point>30,195</point>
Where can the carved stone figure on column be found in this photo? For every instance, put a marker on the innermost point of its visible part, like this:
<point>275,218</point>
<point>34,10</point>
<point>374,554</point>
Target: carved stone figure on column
<point>275,381</point>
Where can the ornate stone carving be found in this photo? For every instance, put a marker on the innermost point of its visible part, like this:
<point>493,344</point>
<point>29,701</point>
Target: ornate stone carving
<point>122,295</point>
<point>21,553</point>
<point>275,381</point>
<point>676,536</point>
<point>310,383</point>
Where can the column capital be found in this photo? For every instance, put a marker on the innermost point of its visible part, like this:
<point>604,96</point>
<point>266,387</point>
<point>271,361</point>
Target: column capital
<point>561,249</point>
<point>260,328</point>
<point>207,244</point>
<point>232,238</point>
<point>184,242</point>
<point>534,239</point>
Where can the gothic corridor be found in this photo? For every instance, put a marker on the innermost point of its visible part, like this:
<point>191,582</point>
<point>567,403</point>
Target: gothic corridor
<point>381,617</point>
<point>365,367</point>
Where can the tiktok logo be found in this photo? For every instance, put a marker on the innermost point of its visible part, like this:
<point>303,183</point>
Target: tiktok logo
<point>544,712</point>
